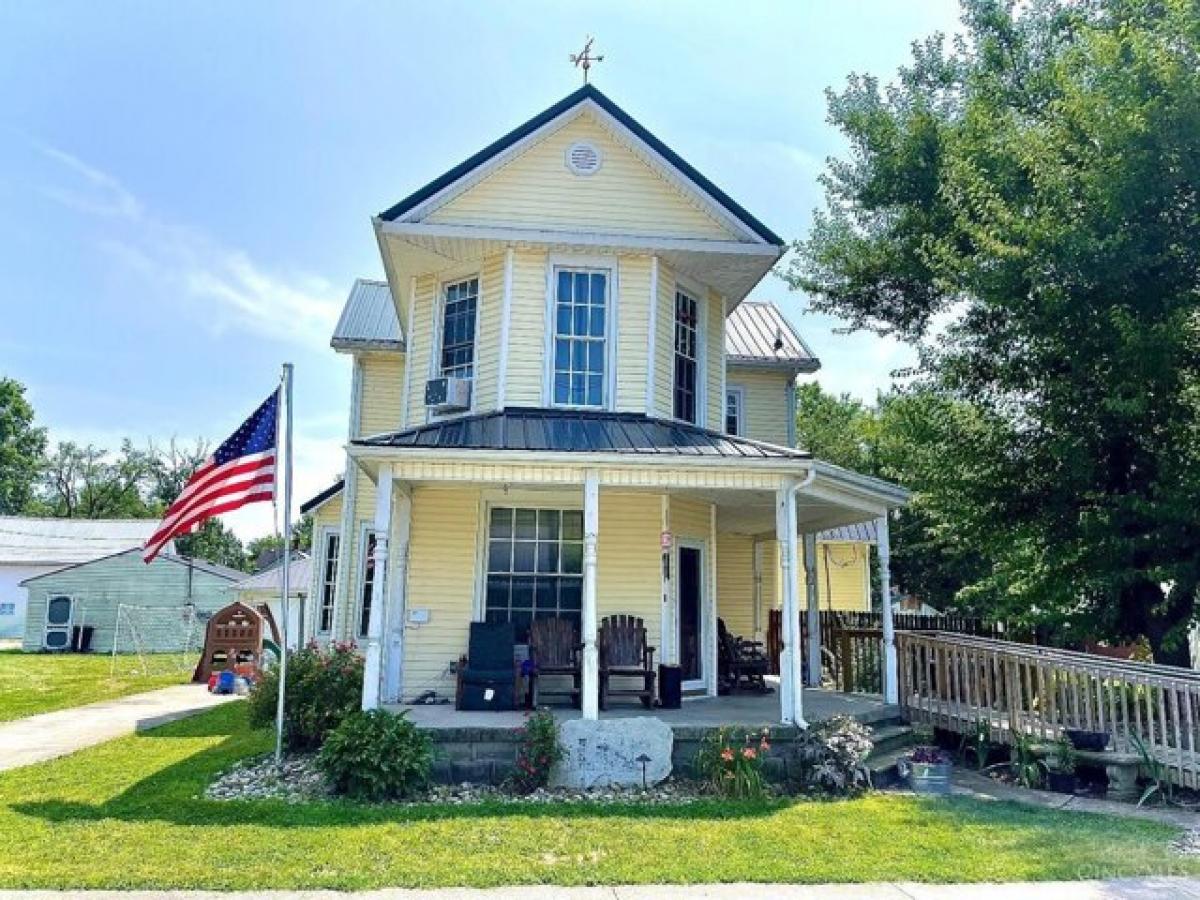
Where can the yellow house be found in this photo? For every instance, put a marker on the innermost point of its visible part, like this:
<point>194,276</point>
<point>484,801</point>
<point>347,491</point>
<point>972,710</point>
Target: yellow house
<point>563,405</point>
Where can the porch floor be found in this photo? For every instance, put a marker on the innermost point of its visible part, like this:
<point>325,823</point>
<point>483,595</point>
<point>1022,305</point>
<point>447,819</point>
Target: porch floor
<point>743,710</point>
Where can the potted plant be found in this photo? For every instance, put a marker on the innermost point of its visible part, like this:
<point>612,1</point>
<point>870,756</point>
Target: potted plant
<point>1095,741</point>
<point>927,770</point>
<point>1060,767</point>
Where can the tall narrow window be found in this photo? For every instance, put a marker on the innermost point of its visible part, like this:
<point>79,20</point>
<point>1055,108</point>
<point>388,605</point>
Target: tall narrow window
<point>534,566</point>
<point>687,350</point>
<point>734,411</point>
<point>459,303</point>
<point>580,337</point>
<point>329,565</point>
<point>368,586</point>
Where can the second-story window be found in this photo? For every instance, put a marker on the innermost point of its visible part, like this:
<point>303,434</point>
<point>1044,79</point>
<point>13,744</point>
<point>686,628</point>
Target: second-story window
<point>735,415</point>
<point>687,357</point>
<point>459,303</point>
<point>580,337</point>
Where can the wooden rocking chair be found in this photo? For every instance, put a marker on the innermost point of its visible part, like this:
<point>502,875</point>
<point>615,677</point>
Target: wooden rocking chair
<point>554,649</point>
<point>624,653</point>
<point>741,663</point>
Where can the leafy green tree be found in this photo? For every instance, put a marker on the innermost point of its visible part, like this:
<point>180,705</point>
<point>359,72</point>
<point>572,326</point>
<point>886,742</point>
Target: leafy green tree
<point>88,482</point>
<point>21,447</point>
<point>216,543</point>
<point>1024,204</point>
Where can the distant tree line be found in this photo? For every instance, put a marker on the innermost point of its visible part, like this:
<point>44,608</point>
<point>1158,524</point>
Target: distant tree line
<point>74,481</point>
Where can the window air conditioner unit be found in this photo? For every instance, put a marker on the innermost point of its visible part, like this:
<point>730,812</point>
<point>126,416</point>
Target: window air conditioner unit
<point>445,395</point>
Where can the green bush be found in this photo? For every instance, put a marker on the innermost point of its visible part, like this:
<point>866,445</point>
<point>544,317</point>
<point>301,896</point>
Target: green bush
<point>831,756</point>
<point>540,750</point>
<point>324,686</point>
<point>377,755</point>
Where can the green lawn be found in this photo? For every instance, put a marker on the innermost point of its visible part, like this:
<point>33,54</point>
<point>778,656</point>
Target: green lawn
<point>127,814</point>
<point>40,682</point>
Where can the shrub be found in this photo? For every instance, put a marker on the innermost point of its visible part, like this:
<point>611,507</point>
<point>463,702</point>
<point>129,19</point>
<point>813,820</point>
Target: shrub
<point>540,750</point>
<point>324,686</point>
<point>731,762</point>
<point>831,756</point>
<point>377,755</point>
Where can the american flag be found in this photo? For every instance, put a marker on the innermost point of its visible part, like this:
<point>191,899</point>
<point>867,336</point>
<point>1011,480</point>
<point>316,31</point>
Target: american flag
<point>241,471</point>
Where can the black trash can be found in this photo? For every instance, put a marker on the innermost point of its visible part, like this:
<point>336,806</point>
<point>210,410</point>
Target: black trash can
<point>85,638</point>
<point>670,686</point>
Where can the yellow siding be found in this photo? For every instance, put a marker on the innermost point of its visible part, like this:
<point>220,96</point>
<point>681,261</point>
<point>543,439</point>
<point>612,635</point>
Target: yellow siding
<point>382,388</point>
<point>527,330</point>
<point>766,406</point>
<point>626,196</point>
<point>629,559</point>
<point>664,342</point>
<point>714,362</point>
<point>487,332</point>
<point>419,340</point>
<point>843,575</point>
<point>633,324</point>
<point>441,578</point>
<point>735,582</point>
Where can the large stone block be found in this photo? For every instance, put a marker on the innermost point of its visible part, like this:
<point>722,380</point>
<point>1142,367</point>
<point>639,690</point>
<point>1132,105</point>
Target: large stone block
<point>606,752</point>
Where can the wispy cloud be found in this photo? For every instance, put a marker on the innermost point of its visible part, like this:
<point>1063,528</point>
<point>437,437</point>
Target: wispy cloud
<point>223,286</point>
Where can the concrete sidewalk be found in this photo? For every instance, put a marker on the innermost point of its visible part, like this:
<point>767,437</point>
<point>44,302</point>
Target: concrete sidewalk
<point>37,738</point>
<point>1121,889</point>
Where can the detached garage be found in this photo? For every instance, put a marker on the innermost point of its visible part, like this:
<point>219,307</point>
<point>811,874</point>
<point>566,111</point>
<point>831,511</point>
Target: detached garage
<point>156,608</point>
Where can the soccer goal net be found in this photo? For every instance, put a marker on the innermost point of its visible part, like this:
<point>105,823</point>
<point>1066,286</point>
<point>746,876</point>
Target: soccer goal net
<point>156,640</point>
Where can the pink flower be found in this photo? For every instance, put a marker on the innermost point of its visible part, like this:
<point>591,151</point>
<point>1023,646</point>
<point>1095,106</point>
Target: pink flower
<point>727,755</point>
<point>748,753</point>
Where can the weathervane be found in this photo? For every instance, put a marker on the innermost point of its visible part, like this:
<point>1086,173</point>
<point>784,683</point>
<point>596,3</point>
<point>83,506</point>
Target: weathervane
<point>584,59</point>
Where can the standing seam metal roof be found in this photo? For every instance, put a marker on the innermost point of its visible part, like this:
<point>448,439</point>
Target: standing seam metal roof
<point>757,331</point>
<point>576,431</point>
<point>368,319</point>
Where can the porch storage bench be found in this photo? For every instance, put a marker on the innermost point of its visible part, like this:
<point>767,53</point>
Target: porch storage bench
<point>625,653</point>
<point>488,675</point>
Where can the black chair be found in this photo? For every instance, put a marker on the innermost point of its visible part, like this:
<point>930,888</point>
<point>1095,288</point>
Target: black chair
<point>740,663</point>
<point>487,675</point>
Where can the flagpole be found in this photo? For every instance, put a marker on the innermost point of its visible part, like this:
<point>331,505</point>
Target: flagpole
<point>286,391</point>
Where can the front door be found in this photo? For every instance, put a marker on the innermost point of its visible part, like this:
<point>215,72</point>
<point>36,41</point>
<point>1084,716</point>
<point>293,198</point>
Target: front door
<point>690,636</point>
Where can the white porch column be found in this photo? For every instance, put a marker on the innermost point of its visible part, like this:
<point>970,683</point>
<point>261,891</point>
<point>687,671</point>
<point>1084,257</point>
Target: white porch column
<point>590,703</point>
<point>813,611</point>
<point>791,688</point>
<point>373,668</point>
<point>397,604</point>
<point>891,670</point>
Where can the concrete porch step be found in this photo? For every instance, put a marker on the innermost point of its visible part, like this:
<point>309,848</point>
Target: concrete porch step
<point>891,743</point>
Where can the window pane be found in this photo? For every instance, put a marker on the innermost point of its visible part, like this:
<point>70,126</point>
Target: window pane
<point>522,593</point>
<point>526,524</point>
<point>523,556</point>
<point>572,558</point>
<point>545,595</point>
<point>595,390</point>
<point>501,523</point>
<point>548,524</point>
<point>547,557</point>
<point>598,284</point>
<point>500,556</point>
<point>562,389</point>
<point>581,287</point>
<point>564,286</point>
<point>497,592</point>
<point>572,525</point>
<point>597,321</point>
<point>571,593</point>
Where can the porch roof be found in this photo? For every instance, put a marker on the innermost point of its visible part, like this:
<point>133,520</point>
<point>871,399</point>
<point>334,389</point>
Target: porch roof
<point>576,431</point>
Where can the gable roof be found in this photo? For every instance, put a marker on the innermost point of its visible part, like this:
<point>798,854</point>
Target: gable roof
<point>200,565</point>
<point>318,500</point>
<point>576,431</point>
<point>758,334</point>
<point>35,541</point>
<point>587,93</point>
<point>368,320</point>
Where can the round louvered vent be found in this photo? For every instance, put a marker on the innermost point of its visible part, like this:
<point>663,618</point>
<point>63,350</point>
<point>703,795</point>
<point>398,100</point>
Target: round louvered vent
<point>583,159</point>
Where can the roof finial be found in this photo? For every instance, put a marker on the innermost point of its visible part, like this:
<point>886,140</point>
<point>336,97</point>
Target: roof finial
<point>584,59</point>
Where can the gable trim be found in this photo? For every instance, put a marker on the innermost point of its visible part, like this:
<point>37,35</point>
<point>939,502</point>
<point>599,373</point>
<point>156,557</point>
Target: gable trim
<point>660,156</point>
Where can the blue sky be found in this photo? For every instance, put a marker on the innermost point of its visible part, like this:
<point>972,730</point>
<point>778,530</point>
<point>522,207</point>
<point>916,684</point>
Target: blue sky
<point>186,188</point>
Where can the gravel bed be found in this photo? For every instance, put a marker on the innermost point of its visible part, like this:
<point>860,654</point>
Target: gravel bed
<point>298,781</point>
<point>1188,844</point>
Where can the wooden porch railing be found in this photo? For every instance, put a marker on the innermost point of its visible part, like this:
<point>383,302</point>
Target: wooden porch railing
<point>956,682</point>
<point>852,642</point>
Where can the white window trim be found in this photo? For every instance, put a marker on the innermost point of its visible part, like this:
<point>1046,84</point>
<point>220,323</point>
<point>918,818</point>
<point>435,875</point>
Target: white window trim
<point>740,393</point>
<point>324,534</point>
<point>46,626</point>
<point>445,279</point>
<point>693,290</point>
<point>513,500</point>
<point>364,530</point>
<point>557,261</point>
